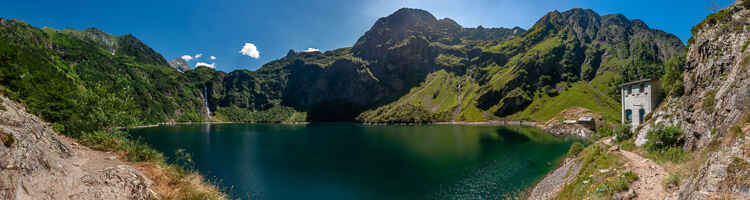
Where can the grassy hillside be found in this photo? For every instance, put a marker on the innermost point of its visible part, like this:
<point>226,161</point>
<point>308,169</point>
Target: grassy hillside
<point>443,96</point>
<point>580,94</point>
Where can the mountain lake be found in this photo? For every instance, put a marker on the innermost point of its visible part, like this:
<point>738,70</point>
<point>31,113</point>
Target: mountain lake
<point>356,161</point>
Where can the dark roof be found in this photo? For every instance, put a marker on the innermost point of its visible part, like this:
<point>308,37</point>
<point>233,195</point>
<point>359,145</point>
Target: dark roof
<point>638,81</point>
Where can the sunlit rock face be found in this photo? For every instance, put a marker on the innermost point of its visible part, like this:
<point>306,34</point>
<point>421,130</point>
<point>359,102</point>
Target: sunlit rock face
<point>179,64</point>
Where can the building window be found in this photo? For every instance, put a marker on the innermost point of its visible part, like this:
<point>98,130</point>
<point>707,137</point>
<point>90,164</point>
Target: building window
<point>628,115</point>
<point>641,90</point>
<point>641,115</point>
<point>630,90</point>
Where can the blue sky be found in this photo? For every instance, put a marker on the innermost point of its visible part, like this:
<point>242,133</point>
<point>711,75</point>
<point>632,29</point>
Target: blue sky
<point>222,28</point>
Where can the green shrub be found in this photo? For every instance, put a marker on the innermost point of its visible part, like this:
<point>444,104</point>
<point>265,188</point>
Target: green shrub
<point>672,78</point>
<point>665,143</point>
<point>576,148</point>
<point>709,100</point>
<point>737,165</point>
<point>721,16</point>
<point>135,150</point>
<point>664,137</point>
<point>673,179</point>
<point>623,132</point>
<point>619,184</point>
<point>58,127</point>
<point>605,131</point>
<point>737,131</point>
<point>671,154</point>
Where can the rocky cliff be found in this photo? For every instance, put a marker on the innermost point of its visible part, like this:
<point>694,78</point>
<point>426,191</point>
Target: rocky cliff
<point>713,112</point>
<point>36,163</point>
<point>179,64</point>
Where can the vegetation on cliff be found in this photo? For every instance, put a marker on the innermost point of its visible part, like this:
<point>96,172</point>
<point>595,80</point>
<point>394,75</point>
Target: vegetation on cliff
<point>88,82</point>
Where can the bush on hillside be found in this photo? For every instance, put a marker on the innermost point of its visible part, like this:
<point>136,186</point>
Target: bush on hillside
<point>135,150</point>
<point>665,144</point>
<point>575,149</point>
<point>709,100</point>
<point>663,137</point>
<point>622,132</point>
<point>672,79</point>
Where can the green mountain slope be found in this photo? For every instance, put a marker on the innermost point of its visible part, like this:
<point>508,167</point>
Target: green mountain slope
<point>87,80</point>
<point>543,71</point>
<point>409,67</point>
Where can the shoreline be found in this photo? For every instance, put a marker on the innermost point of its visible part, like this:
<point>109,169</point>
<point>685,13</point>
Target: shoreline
<point>172,124</point>
<point>484,123</point>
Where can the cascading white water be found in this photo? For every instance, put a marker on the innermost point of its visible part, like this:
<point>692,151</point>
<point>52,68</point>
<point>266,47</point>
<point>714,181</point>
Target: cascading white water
<point>205,101</point>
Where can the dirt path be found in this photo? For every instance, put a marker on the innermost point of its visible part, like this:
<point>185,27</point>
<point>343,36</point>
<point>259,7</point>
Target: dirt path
<point>40,164</point>
<point>650,177</point>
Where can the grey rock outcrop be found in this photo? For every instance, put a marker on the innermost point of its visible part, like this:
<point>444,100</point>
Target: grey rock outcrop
<point>716,98</point>
<point>36,163</point>
<point>179,64</point>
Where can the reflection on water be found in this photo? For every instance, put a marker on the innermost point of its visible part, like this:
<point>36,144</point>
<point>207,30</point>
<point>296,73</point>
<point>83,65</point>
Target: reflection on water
<point>351,161</point>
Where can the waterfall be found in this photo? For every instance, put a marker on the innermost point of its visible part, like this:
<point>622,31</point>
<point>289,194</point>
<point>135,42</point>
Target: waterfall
<point>205,101</point>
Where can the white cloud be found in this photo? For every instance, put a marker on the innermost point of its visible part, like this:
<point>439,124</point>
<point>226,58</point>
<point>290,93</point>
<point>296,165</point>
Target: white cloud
<point>213,57</point>
<point>311,50</point>
<point>250,50</point>
<point>198,55</point>
<point>187,58</point>
<point>212,65</point>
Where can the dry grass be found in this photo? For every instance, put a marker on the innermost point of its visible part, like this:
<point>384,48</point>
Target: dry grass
<point>172,182</point>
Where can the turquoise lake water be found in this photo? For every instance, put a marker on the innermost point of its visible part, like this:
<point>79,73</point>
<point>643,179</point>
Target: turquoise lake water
<point>354,161</point>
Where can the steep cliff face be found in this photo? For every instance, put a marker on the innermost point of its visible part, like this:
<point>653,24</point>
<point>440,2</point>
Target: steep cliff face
<point>717,97</point>
<point>713,112</point>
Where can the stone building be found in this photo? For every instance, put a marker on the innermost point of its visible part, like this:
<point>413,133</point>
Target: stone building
<point>638,99</point>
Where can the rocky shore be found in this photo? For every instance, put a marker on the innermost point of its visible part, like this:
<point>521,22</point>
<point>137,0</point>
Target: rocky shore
<point>554,181</point>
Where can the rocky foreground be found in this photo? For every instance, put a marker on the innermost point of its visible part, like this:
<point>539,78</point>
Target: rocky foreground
<point>37,163</point>
<point>713,112</point>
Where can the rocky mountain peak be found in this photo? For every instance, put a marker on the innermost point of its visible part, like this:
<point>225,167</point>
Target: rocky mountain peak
<point>179,64</point>
<point>395,29</point>
<point>417,26</point>
<point>411,14</point>
<point>290,53</point>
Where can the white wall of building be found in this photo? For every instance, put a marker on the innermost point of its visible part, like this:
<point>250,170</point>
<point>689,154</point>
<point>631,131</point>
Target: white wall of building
<point>637,99</point>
